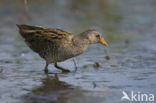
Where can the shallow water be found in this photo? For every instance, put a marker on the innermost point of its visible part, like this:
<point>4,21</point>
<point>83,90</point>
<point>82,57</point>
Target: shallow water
<point>128,64</point>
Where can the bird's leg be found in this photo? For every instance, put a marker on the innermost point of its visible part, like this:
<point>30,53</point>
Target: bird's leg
<point>61,68</point>
<point>46,68</point>
<point>74,60</point>
<point>56,77</point>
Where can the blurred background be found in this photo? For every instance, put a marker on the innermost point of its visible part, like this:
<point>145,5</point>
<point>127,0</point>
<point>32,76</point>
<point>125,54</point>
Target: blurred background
<point>129,63</point>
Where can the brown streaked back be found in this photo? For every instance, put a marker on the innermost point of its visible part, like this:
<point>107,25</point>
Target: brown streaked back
<point>38,38</point>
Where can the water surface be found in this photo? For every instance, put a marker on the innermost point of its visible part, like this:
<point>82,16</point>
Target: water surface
<point>127,25</point>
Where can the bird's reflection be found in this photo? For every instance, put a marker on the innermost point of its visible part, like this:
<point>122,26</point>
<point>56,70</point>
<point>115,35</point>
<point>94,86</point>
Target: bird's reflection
<point>51,91</point>
<point>52,84</point>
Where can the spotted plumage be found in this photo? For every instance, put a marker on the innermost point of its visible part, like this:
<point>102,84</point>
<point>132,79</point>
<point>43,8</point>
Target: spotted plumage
<point>55,45</point>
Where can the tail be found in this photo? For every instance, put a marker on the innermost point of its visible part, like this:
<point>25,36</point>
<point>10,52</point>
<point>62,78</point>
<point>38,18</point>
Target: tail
<point>28,27</point>
<point>32,36</point>
<point>28,31</point>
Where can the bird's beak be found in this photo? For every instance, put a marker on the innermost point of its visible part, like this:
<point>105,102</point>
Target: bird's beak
<point>102,41</point>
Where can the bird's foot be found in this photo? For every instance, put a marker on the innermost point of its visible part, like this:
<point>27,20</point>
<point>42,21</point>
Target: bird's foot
<point>65,70</point>
<point>61,68</point>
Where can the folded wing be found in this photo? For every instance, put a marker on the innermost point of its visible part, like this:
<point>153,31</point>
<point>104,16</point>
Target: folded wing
<point>38,37</point>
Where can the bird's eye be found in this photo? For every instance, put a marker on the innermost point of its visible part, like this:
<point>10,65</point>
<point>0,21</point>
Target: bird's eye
<point>97,36</point>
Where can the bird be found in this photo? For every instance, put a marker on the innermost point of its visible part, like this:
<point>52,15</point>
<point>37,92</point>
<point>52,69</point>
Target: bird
<point>55,45</point>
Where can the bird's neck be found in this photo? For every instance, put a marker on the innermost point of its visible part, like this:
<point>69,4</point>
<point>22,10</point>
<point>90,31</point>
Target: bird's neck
<point>80,40</point>
<point>80,44</point>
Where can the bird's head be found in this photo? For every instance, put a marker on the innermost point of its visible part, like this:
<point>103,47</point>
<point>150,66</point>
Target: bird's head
<point>94,37</point>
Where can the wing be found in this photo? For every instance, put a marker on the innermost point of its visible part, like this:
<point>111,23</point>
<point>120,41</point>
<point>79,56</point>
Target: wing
<point>38,37</point>
<point>49,33</point>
